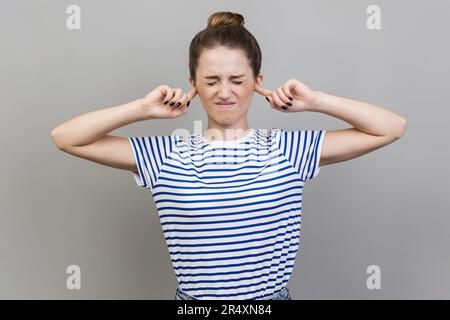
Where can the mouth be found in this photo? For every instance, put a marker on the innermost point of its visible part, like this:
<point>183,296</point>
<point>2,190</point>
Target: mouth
<point>225,105</point>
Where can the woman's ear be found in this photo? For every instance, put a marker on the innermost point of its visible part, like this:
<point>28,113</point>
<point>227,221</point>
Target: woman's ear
<point>191,81</point>
<point>259,79</point>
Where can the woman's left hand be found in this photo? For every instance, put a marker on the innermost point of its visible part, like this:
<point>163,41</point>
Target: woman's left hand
<point>292,96</point>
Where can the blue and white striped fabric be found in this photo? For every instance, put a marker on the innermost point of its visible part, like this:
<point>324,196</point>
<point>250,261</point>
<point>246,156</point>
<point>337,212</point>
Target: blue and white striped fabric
<point>230,210</point>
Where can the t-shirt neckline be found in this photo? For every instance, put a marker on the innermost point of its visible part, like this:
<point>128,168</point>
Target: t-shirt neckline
<point>245,138</point>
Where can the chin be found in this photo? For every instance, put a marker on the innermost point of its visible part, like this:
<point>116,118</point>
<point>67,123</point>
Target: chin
<point>225,117</point>
<point>226,121</point>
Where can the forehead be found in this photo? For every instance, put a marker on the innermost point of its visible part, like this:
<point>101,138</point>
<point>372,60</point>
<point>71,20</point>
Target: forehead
<point>223,61</point>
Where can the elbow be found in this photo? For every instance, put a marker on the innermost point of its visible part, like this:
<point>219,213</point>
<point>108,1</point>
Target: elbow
<point>401,128</point>
<point>55,139</point>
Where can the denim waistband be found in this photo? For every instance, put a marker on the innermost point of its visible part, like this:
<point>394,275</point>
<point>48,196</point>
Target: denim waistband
<point>283,294</point>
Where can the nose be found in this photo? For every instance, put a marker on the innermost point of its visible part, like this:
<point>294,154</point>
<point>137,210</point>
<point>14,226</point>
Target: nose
<point>224,92</point>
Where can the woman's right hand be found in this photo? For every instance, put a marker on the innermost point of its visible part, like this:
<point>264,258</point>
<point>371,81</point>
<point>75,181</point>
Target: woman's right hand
<point>161,103</point>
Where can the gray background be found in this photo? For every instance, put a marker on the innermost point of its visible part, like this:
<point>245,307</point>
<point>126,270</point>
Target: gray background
<point>388,208</point>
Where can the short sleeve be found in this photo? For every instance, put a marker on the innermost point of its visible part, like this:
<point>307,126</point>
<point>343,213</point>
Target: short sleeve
<point>302,148</point>
<point>150,154</point>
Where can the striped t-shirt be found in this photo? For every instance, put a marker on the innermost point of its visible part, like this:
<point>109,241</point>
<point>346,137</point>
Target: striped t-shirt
<point>230,210</point>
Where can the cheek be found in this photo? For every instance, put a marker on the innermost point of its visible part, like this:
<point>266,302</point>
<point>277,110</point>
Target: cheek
<point>206,93</point>
<point>249,88</point>
<point>246,93</point>
<point>203,94</point>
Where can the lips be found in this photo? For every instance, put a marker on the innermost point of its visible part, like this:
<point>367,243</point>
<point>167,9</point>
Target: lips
<point>224,103</point>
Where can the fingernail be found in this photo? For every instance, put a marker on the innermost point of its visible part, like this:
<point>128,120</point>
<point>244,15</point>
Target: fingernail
<point>267,99</point>
<point>290,98</point>
<point>289,104</point>
<point>178,104</point>
<point>165,102</point>
<point>188,103</point>
<point>284,107</point>
<point>172,103</point>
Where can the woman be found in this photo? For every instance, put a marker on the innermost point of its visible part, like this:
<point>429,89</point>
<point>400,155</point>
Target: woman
<point>230,199</point>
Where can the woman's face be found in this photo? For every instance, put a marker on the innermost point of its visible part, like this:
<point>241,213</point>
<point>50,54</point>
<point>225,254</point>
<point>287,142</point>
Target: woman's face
<point>225,84</point>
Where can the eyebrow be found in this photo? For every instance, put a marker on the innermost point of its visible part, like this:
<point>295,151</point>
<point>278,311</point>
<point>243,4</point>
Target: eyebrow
<point>231,77</point>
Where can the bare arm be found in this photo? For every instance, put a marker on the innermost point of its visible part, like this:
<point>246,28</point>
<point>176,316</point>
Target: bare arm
<point>373,127</point>
<point>86,136</point>
<point>92,126</point>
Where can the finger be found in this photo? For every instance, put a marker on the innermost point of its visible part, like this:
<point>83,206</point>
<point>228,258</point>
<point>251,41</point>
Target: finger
<point>167,93</point>
<point>183,100</point>
<point>287,91</point>
<point>278,102</point>
<point>283,96</point>
<point>262,91</point>
<point>271,102</point>
<point>176,97</point>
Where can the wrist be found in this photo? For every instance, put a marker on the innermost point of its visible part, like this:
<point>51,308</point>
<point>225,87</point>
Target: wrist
<point>317,101</point>
<point>141,110</point>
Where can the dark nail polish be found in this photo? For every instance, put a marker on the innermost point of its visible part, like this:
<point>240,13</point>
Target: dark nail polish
<point>290,98</point>
<point>178,104</point>
<point>188,103</point>
<point>289,104</point>
<point>267,99</point>
<point>165,102</point>
<point>284,107</point>
<point>172,103</point>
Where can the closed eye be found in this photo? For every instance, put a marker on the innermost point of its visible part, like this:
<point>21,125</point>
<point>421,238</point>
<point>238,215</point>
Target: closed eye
<point>235,82</point>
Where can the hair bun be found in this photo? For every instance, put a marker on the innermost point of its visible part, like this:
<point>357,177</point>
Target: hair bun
<point>224,19</point>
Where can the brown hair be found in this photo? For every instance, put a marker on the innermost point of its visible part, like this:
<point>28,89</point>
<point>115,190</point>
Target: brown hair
<point>225,29</point>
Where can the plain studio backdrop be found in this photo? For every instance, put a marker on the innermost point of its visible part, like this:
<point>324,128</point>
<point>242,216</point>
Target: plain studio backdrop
<point>388,208</point>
